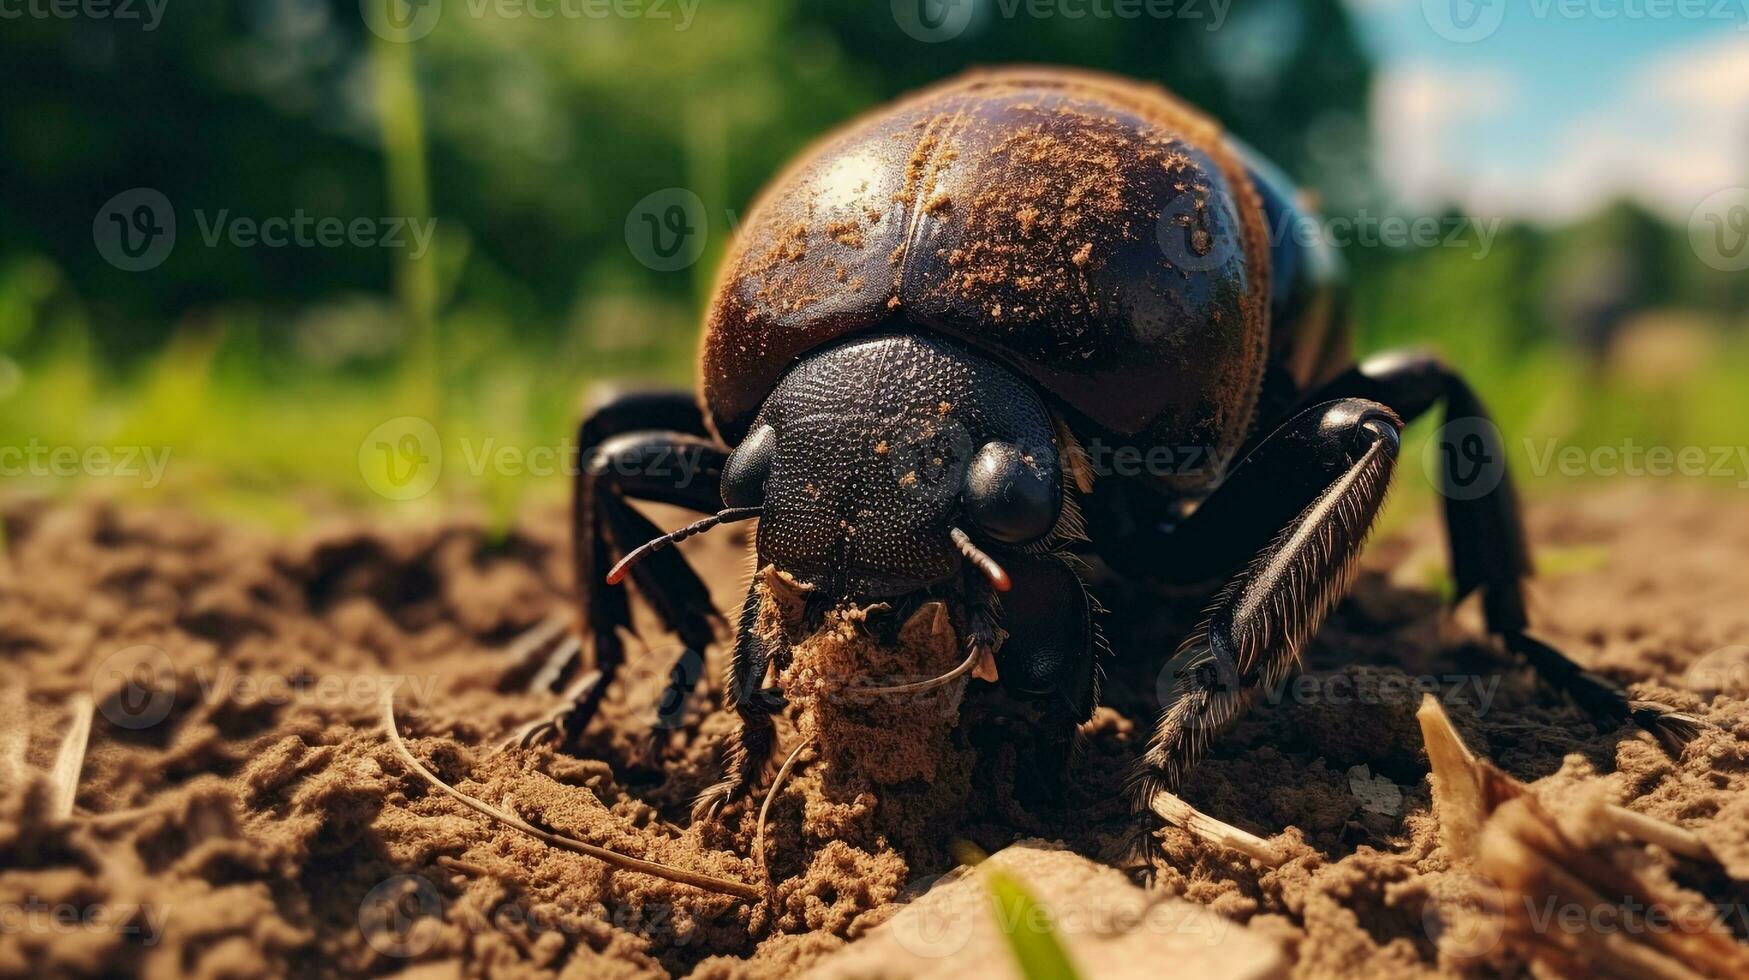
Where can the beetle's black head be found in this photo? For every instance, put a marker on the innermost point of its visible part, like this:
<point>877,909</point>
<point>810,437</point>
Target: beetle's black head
<point>870,452</point>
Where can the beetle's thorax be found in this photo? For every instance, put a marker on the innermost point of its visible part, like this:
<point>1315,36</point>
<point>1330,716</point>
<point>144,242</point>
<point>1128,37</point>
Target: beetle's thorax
<point>874,436</point>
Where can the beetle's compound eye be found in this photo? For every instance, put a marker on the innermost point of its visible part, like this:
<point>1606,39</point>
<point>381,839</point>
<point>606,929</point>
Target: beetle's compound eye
<point>748,466</point>
<point>1012,496</point>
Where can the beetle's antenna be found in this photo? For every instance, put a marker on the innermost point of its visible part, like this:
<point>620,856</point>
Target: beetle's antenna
<point>998,578</point>
<point>729,516</point>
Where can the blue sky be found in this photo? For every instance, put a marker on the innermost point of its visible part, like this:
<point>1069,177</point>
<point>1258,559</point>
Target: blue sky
<point>1553,106</point>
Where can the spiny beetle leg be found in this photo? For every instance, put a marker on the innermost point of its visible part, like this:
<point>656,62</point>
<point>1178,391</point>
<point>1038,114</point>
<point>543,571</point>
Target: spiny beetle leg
<point>750,747</point>
<point>616,465</point>
<point>1257,624</point>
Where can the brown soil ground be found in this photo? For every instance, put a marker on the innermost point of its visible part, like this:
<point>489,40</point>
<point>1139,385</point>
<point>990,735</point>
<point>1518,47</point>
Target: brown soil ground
<point>240,811</point>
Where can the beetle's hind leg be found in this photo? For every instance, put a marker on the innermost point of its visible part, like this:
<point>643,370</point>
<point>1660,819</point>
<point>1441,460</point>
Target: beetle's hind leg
<point>1485,532</point>
<point>1329,468</point>
<point>619,461</point>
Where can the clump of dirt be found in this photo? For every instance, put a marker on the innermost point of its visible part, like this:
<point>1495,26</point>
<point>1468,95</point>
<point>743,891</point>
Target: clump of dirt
<point>882,768</point>
<point>833,676</point>
<point>241,813</point>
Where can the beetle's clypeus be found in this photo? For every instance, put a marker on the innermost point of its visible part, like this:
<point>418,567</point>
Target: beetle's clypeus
<point>925,323</point>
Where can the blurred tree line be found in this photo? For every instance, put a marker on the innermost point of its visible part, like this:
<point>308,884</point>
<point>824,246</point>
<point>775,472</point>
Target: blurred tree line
<point>542,134</point>
<point>539,137</point>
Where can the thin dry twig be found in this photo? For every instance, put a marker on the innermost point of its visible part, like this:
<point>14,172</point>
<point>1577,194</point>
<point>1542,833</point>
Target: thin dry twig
<point>119,818</point>
<point>64,777</point>
<point>776,784</point>
<point>624,862</point>
<point>1466,790</point>
<point>463,867</point>
<point>1537,858</point>
<point>1181,814</point>
<point>14,734</point>
<point>1650,830</point>
<point>525,646</point>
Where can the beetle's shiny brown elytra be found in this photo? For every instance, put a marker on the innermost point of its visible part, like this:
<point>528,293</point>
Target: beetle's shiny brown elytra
<point>1094,233</point>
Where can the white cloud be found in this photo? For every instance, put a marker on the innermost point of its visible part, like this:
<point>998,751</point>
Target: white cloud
<point>1418,111</point>
<point>1678,133</point>
<point>1711,75</point>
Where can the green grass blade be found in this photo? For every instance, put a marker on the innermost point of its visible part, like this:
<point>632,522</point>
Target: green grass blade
<point>402,124</point>
<point>1026,927</point>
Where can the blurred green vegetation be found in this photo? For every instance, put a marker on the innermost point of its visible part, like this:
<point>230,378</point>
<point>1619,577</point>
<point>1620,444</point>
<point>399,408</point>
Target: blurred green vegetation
<point>530,141</point>
<point>1027,929</point>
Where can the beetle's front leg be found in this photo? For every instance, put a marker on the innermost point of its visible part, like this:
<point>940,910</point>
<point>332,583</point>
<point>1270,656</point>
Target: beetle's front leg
<point>1337,458</point>
<point>750,747</point>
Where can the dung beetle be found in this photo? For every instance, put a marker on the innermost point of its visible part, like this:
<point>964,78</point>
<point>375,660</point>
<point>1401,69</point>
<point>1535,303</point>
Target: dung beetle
<point>1021,324</point>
